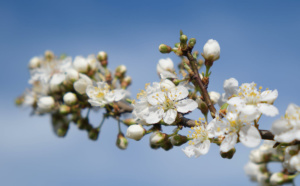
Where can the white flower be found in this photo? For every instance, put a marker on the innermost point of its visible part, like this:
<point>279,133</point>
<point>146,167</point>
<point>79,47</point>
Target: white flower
<point>250,101</point>
<point>214,96</point>
<point>81,84</point>
<point>231,87</point>
<point>35,62</point>
<point>101,95</point>
<point>295,162</point>
<point>200,143</point>
<point>45,104</point>
<point>166,67</point>
<point>232,126</point>
<point>287,129</point>
<point>135,132</point>
<point>254,171</point>
<point>166,103</point>
<point>70,98</point>
<point>211,50</point>
<point>81,64</point>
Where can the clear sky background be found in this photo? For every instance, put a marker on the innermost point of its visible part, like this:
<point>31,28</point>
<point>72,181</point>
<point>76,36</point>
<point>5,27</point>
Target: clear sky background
<point>259,42</point>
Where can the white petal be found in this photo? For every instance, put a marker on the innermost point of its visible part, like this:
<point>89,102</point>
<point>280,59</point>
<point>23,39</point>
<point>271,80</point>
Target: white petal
<point>250,136</point>
<point>156,98</point>
<point>186,105</point>
<point>178,93</point>
<point>269,96</point>
<point>236,101</point>
<point>155,115</point>
<point>279,126</point>
<point>167,84</point>
<point>229,142</point>
<point>291,109</point>
<point>119,94</point>
<point>286,137</point>
<point>268,110</point>
<point>202,148</point>
<point>170,116</point>
<point>231,86</point>
<point>189,151</point>
<point>96,103</point>
<point>249,110</point>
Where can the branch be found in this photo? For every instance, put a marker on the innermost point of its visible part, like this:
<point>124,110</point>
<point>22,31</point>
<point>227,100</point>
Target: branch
<point>199,83</point>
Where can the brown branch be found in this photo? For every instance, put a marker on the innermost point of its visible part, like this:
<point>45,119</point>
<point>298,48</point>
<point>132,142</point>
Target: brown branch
<point>199,83</point>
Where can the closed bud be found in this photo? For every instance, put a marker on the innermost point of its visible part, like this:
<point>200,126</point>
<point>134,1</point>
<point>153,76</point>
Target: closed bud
<point>120,71</point>
<point>94,134</point>
<point>61,132</point>
<point>34,62</point>
<point>135,132</point>
<point>157,138</point>
<point>70,98</point>
<point>102,56</point>
<point>46,104</point>
<point>165,65</point>
<point>129,121</point>
<point>49,55</point>
<point>183,39</point>
<point>214,97</point>
<point>178,140</point>
<point>228,154</point>
<point>126,82</point>
<point>122,142</point>
<point>192,42</point>
<point>64,109</point>
<point>202,106</point>
<point>211,50</point>
<point>83,123</point>
<point>72,75</point>
<point>164,48</point>
<point>277,178</point>
<point>167,145</point>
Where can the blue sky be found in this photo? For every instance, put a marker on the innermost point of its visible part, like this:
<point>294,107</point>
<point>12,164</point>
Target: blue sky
<point>259,42</point>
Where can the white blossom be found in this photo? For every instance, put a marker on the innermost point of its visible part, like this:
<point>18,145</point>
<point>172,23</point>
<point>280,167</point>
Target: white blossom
<point>81,84</point>
<point>81,64</point>
<point>255,172</point>
<point>287,128</point>
<point>211,50</point>
<point>214,96</point>
<point>101,94</point>
<point>166,103</point>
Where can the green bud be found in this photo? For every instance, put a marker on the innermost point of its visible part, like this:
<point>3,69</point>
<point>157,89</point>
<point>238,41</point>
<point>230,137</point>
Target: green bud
<point>228,154</point>
<point>183,39</point>
<point>61,132</point>
<point>64,109</point>
<point>93,134</point>
<point>49,55</point>
<point>167,145</point>
<point>178,140</point>
<point>129,121</point>
<point>164,48</point>
<point>102,56</point>
<point>192,42</point>
<point>121,142</point>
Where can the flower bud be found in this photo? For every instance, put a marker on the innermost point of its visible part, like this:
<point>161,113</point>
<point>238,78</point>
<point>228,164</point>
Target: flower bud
<point>61,132</point>
<point>126,82</point>
<point>46,104</point>
<point>228,154</point>
<point>202,105</point>
<point>178,140</point>
<point>165,65</point>
<point>277,178</point>
<point>70,98</point>
<point>34,62</point>
<point>83,123</point>
<point>49,55</point>
<point>214,97</point>
<point>129,121</point>
<point>64,109</point>
<point>211,50</point>
<point>102,56</point>
<point>72,75</point>
<point>81,64</point>
<point>183,38</point>
<point>120,71</point>
<point>122,142</point>
<point>192,42</point>
<point>157,138</point>
<point>167,145</point>
<point>164,48</point>
<point>135,132</point>
<point>94,134</point>
<point>256,156</point>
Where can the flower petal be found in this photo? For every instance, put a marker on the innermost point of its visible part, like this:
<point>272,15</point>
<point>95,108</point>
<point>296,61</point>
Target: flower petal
<point>156,98</point>
<point>170,116</point>
<point>189,151</point>
<point>202,148</point>
<point>229,142</point>
<point>268,110</point>
<point>186,105</point>
<point>269,96</point>
<point>279,126</point>
<point>178,93</point>
<point>155,115</point>
<point>250,136</point>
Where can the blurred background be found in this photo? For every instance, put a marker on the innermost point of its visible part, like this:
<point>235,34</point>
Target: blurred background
<point>259,42</point>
